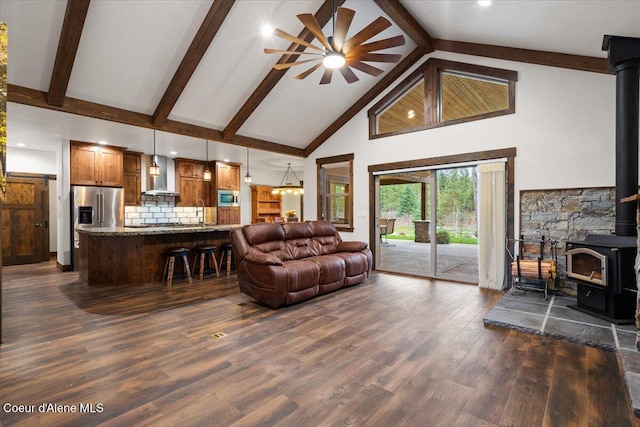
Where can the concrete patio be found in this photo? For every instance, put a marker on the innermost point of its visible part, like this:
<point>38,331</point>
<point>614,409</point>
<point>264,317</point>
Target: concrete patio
<point>455,261</point>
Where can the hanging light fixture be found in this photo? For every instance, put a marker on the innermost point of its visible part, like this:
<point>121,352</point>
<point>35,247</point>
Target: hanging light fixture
<point>154,168</point>
<point>247,177</point>
<point>207,172</point>
<point>286,186</point>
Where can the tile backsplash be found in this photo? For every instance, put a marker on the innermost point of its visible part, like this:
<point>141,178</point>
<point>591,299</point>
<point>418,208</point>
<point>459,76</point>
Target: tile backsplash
<point>141,215</point>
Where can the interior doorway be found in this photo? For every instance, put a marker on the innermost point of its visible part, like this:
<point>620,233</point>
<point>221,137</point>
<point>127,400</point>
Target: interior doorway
<point>25,220</point>
<point>428,223</point>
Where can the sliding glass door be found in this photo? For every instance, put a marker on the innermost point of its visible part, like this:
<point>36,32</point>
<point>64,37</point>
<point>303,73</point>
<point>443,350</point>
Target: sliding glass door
<point>427,223</point>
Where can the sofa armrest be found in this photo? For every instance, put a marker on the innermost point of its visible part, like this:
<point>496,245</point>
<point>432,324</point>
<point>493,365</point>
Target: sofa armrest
<point>351,246</point>
<point>260,258</point>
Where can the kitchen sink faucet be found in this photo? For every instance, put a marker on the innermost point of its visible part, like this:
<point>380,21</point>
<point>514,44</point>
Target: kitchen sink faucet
<point>197,204</point>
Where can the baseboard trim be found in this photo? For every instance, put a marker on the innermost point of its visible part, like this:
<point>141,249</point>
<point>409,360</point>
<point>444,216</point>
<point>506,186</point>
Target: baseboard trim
<point>64,268</point>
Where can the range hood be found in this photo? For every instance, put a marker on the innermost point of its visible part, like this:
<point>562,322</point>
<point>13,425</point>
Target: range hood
<point>157,185</point>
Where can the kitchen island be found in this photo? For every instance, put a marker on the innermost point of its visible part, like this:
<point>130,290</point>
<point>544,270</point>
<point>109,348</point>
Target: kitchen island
<point>129,256</point>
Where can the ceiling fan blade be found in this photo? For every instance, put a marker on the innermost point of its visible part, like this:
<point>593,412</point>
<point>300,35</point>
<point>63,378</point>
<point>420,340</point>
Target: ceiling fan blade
<point>365,68</point>
<point>294,39</point>
<point>309,71</point>
<point>290,52</point>
<point>379,45</point>
<point>312,25</point>
<point>291,64</point>
<point>377,26</point>
<point>348,75</point>
<point>326,77</point>
<point>343,22</point>
<point>380,57</point>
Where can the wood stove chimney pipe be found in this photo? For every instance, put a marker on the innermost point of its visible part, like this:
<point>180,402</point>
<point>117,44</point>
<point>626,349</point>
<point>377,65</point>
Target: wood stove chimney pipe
<point>624,61</point>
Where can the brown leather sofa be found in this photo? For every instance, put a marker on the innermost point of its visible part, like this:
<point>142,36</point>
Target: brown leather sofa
<point>284,263</point>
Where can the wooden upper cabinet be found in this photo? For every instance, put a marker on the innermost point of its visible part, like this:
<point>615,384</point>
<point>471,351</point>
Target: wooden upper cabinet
<point>132,178</point>
<point>227,176</point>
<point>190,182</point>
<point>132,161</point>
<point>97,165</point>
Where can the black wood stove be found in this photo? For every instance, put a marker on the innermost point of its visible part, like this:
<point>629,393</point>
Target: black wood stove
<point>603,265</point>
<point>602,268</point>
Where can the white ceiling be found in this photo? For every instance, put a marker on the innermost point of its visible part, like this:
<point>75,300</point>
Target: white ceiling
<point>130,50</point>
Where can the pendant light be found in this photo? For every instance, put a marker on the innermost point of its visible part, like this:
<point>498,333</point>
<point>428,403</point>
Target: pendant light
<point>247,177</point>
<point>288,187</point>
<point>154,168</point>
<point>207,172</point>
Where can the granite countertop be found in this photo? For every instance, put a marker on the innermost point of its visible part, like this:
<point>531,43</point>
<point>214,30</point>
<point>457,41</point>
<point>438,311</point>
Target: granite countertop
<point>149,231</point>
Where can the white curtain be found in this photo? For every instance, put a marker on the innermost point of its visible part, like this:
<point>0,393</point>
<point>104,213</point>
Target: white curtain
<point>492,227</point>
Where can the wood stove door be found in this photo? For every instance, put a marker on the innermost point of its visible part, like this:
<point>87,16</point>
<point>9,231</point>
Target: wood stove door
<point>587,265</point>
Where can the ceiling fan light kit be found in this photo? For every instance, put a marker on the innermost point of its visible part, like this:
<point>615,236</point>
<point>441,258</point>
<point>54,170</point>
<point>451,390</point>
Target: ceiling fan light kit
<point>338,53</point>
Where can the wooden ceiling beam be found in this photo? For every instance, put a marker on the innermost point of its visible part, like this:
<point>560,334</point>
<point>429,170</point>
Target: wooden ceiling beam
<point>323,15</point>
<point>539,57</point>
<point>203,38</point>
<point>361,103</point>
<point>36,98</point>
<point>72,26</point>
<point>407,23</point>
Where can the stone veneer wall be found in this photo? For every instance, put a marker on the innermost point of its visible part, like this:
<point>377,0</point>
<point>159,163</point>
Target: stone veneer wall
<point>561,215</point>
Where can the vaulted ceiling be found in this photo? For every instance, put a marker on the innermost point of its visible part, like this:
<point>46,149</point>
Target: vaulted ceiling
<point>196,70</point>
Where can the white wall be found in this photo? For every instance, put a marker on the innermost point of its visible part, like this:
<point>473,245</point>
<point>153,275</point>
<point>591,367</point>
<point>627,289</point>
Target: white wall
<point>563,130</point>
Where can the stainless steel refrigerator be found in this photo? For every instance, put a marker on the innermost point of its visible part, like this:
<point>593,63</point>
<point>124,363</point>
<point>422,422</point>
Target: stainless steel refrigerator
<point>95,207</point>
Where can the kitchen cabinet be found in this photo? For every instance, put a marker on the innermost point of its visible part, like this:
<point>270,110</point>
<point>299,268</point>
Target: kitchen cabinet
<point>190,182</point>
<point>228,215</point>
<point>132,161</point>
<point>265,206</point>
<point>227,176</point>
<point>98,165</point>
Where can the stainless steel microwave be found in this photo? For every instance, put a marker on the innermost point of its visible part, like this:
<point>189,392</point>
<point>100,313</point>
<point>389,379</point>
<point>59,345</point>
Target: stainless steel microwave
<point>228,198</point>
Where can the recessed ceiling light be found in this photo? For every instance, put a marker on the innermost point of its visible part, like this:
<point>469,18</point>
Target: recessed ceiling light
<point>173,153</point>
<point>226,160</point>
<point>266,30</point>
<point>102,142</point>
<point>20,144</point>
<point>484,3</point>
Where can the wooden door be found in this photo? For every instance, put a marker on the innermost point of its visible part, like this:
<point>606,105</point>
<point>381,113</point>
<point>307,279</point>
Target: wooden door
<point>25,221</point>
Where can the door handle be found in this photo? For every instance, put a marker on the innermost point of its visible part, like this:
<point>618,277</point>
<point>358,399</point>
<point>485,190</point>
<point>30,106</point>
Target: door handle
<point>37,224</point>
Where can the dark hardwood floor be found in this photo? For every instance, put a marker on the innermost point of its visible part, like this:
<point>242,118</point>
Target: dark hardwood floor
<point>395,351</point>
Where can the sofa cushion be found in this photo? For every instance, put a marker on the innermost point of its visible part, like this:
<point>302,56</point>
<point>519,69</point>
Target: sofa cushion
<point>301,274</point>
<point>332,268</point>
<point>356,263</point>
<point>261,233</point>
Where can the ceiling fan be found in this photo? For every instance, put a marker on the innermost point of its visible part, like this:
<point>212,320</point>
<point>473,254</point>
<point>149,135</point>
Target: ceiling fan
<point>338,53</point>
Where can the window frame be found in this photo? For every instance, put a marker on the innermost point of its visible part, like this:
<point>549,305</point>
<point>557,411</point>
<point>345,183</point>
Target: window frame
<point>430,71</point>
<point>323,197</point>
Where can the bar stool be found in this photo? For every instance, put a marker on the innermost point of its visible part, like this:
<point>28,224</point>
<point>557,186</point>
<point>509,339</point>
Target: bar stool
<point>204,254</point>
<point>172,254</point>
<point>226,250</point>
